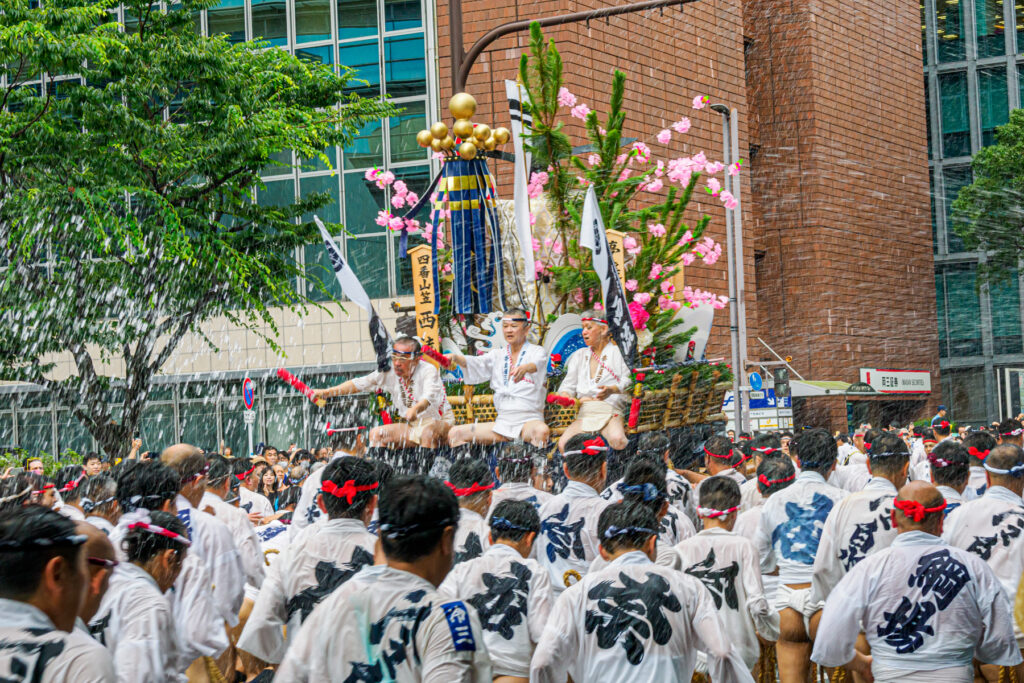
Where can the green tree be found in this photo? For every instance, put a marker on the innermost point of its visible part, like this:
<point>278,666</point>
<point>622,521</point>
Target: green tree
<point>126,212</point>
<point>988,214</point>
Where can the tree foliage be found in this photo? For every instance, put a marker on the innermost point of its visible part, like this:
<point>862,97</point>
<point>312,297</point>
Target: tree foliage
<point>988,214</point>
<point>126,212</point>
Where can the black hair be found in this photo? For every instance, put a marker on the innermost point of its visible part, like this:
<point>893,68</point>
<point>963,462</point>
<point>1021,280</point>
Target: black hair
<point>870,436</point>
<point>289,498</point>
<point>516,462</point>
<point>584,465</point>
<point>765,440</point>
<point>98,494</point>
<point>140,545</point>
<point>414,511</point>
<point>71,476</point>
<point>1006,456</point>
<point>719,493</point>
<point>465,472</point>
<point>644,484</point>
<point>91,456</point>
<point>625,525</point>
<point>775,473</point>
<point>146,485</point>
<point>843,438</point>
<point>513,519</point>
<point>30,537</point>
<point>1008,426</point>
<point>220,469</point>
<point>888,455</point>
<point>720,446</point>
<point>981,442</point>
<point>817,450</point>
<point>339,471</point>
<point>15,492</point>
<point>384,471</point>
<point>654,442</point>
<point>942,431</point>
<point>302,454</point>
<point>950,464</point>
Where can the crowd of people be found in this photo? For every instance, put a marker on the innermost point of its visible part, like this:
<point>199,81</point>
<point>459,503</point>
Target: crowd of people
<point>418,551</point>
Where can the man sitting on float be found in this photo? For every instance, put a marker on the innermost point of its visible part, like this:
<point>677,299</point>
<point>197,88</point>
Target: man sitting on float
<point>416,391</point>
<point>517,374</point>
<point>598,377</point>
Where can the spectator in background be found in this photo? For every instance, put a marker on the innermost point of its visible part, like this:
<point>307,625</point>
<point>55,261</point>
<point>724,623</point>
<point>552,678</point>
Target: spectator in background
<point>267,486</point>
<point>44,492</point>
<point>281,472</point>
<point>33,465</point>
<point>939,416</point>
<point>68,482</point>
<point>93,464</point>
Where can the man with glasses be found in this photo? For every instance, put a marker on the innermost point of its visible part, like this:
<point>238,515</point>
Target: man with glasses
<point>517,373</point>
<point>416,392</point>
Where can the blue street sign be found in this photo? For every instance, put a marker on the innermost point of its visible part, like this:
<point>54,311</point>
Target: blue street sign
<point>755,381</point>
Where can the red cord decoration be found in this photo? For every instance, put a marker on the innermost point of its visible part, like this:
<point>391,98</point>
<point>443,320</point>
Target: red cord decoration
<point>477,487</point>
<point>977,452</point>
<point>916,511</point>
<point>348,490</point>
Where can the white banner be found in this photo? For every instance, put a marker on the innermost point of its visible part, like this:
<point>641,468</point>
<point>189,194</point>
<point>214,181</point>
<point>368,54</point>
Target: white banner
<point>889,381</point>
<point>521,124</point>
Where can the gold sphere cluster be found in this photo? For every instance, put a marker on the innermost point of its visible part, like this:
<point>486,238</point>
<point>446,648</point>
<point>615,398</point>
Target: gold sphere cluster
<point>471,137</point>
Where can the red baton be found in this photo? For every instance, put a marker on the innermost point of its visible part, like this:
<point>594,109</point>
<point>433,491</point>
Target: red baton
<point>300,386</point>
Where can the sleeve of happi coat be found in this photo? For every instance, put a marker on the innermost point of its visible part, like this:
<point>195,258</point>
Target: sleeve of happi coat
<point>827,568</point>
<point>996,641</point>
<point>454,651</point>
<point>764,616</point>
<point>145,648</point>
<point>89,664</point>
<point>724,663</point>
<point>559,643</point>
<point>479,368</point>
<point>372,381</point>
<point>198,624</point>
<point>433,388</point>
<point>540,602</point>
<point>251,555</point>
<point>572,370</point>
<point>227,574</point>
<point>842,618</point>
<point>263,635</point>
<point>303,650</point>
<point>763,543</point>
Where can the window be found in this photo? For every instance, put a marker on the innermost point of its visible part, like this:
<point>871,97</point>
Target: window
<point>993,102</point>
<point>964,391</point>
<point>228,18</point>
<point>363,199</point>
<point>312,20</point>
<point>269,21</point>
<point>235,434</point>
<point>928,117</point>
<point>35,430</point>
<point>198,420</point>
<point>405,66</point>
<point>956,135</point>
<point>403,129</point>
<point>953,180</point>
<point>72,434</point>
<point>1004,298</point>
<point>931,197</point>
<point>363,58</point>
<point>283,415</point>
<point>963,324</point>
<point>368,256</point>
<point>989,28</point>
<point>949,30</point>
<point>400,15</point>
<point>356,19</point>
<point>157,429</point>
<point>924,35</point>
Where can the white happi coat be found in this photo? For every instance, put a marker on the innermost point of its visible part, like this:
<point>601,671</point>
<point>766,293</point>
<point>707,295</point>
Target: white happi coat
<point>727,564</point>
<point>567,542</point>
<point>848,454</point>
<point>388,625</point>
<point>953,498</point>
<point>251,501</point>
<point>515,402</point>
<point>859,525</point>
<point>33,649</point>
<point>791,523</point>
<point>101,523</point>
<point>512,597</point>
<point>307,511</point>
<point>927,610</point>
<point>851,478</point>
<point>746,526</point>
<point>213,543</point>
<point>976,483</point>
<point>244,534</point>
<point>426,384</point>
<point>750,495</point>
<point>135,623</point>
<point>519,490</point>
<point>638,622</point>
<point>611,372</point>
<point>315,564</point>
<point>992,527</point>
<point>472,536</point>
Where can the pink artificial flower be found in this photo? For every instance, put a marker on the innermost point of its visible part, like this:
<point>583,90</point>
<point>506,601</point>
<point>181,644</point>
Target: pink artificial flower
<point>438,156</point>
<point>622,158</point>
<point>655,185</point>
<point>399,187</point>
<point>566,98</point>
<point>538,267</point>
<point>384,179</point>
<point>664,302</point>
<point>556,248</point>
<point>665,136</point>
<point>656,229</point>
<point>655,271</point>
<point>638,315</point>
<point>641,151</point>
<point>667,287</point>
<point>582,181</point>
<point>398,201</point>
<point>598,306</point>
<point>593,159</point>
<point>447,269</point>
<point>642,298</point>
<point>681,126</point>
<point>383,218</point>
<point>713,167</point>
<point>533,220</point>
<point>580,111</point>
<point>659,169</point>
<point>536,185</point>
<point>700,101</point>
<point>714,187</point>
<point>536,244</point>
<point>734,169</point>
<point>601,130</point>
<point>728,199</point>
<point>411,198</point>
<point>629,243</point>
<point>625,174</point>
<point>687,258</point>
<point>396,223</point>
<point>699,160</point>
<point>371,174</point>
<point>720,302</point>
<point>685,239</point>
<point>630,285</point>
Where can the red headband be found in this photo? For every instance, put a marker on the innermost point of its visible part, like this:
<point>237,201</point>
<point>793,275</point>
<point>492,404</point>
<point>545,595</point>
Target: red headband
<point>601,321</point>
<point>73,484</point>
<point>977,452</point>
<point>590,447</point>
<point>765,451</point>
<point>916,511</point>
<point>1015,432</point>
<point>867,444</point>
<point>771,482</point>
<point>475,488</point>
<point>245,475</point>
<point>160,531</point>
<point>928,441</point>
<point>712,512</point>
<point>943,425</point>
<point>348,491</point>
<point>46,487</point>
<point>937,461</point>
<point>727,456</point>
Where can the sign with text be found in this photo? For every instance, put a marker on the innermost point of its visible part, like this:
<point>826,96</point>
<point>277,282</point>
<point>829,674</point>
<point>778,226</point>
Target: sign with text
<point>888,381</point>
<point>427,326</point>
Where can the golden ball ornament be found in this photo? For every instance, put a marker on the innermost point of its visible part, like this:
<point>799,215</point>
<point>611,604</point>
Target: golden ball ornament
<point>467,150</point>
<point>502,135</point>
<point>482,132</point>
<point>439,130</point>
<point>463,128</point>
<point>448,142</point>
<point>462,105</point>
<point>435,145</point>
<point>490,144</point>
<point>423,138</point>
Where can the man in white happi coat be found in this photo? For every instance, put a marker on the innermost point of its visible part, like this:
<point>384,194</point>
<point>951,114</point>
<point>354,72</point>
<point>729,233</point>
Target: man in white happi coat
<point>250,500</point>
<point>389,622</point>
<point>101,561</point>
<point>978,445</point>
<point>43,579</point>
<point>721,458</point>
<point>634,620</point>
<point>99,503</point>
<point>948,469</point>
<point>787,538</point>
<point>568,522</point>
<point>510,592</point>
<point>517,373</point>
<point>927,609</point>
<point>727,564</point>
<point>318,561</point>
<point>655,446</point>
<point>992,527</point>
<point>471,481</point>
<point>348,441</point>
<point>775,473</point>
<point>763,445</point>
<point>1011,431</point>
<point>515,471</point>
<point>416,391</point>
<point>221,500</point>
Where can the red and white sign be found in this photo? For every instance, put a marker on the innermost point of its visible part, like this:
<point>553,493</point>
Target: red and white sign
<point>888,381</point>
